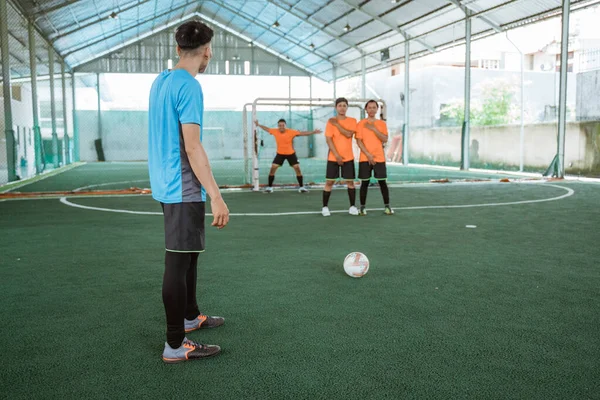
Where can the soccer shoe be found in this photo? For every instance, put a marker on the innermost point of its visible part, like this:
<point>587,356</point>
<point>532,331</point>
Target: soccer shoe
<point>353,210</point>
<point>388,211</point>
<point>203,322</point>
<point>302,189</point>
<point>325,211</point>
<point>269,189</point>
<point>363,211</point>
<point>189,350</point>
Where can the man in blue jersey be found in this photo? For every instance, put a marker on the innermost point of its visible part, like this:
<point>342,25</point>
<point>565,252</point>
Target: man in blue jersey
<point>180,177</point>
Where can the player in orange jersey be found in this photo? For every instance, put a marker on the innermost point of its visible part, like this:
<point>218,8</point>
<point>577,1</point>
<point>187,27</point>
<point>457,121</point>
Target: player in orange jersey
<point>371,134</point>
<point>285,151</point>
<point>340,161</point>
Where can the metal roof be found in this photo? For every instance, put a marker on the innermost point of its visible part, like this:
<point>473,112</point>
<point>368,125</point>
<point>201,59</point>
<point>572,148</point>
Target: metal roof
<point>314,35</point>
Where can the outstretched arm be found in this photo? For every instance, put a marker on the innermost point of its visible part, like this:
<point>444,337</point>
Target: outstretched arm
<point>265,128</point>
<point>308,133</point>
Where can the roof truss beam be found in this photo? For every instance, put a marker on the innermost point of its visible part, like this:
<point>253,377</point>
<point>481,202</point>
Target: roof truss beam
<point>290,10</point>
<point>70,51</point>
<point>392,27</point>
<point>43,12</point>
<point>478,14</point>
<point>264,26</point>
<point>94,20</point>
<point>469,10</point>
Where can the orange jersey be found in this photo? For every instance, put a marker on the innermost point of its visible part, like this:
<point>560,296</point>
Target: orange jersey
<point>370,140</point>
<point>284,140</point>
<point>342,144</point>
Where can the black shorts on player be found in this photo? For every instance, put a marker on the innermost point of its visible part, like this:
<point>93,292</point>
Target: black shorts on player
<point>366,170</point>
<point>292,159</point>
<point>345,171</point>
<point>184,227</point>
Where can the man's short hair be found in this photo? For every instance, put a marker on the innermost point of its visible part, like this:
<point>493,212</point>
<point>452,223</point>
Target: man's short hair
<point>341,100</point>
<point>193,34</point>
<point>282,120</point>
<point>371,101</point>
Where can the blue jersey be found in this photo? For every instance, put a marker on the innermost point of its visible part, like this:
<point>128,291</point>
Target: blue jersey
<point>175,99</point>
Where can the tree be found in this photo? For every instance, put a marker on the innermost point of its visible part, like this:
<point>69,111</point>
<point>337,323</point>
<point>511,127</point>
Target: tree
<point>496,106</point>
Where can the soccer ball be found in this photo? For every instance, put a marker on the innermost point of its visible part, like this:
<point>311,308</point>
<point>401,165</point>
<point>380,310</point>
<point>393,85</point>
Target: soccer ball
<point>356,264</point>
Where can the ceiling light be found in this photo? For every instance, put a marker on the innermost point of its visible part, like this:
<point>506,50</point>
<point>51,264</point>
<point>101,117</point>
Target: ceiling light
<point>113,15</point>
<point>346,28</point>
<point>312,46</point>
<point>276,24</point>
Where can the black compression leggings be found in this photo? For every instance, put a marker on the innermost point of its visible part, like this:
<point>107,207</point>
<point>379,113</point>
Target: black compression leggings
<point>179,293</point>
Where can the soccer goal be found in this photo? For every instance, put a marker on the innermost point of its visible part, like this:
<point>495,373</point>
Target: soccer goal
<point>303,114</point>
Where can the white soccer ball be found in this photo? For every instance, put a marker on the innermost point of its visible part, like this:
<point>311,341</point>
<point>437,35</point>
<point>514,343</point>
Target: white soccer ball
<point>356,264</point>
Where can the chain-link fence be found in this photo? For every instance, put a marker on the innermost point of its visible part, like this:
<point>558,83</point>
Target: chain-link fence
<point>513,115</point>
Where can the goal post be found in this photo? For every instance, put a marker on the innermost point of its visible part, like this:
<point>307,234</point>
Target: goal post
<point>318,110</point>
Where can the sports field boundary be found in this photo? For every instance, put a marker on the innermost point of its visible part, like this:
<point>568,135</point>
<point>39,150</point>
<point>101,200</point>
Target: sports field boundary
<point>569,192</point>
<point>9,187</point>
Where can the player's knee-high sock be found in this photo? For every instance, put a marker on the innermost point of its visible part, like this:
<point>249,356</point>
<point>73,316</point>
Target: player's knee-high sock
<point>271,180</point>
<point>326,196</point>
<point>364,190</point>
<point>352,196</point>
<point>385,192</point>
<point>191,308</point>
<point>300,180</point>
<point>174,293</point>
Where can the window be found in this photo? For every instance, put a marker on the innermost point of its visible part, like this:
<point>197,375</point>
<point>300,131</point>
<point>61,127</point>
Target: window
<point>490,64</point>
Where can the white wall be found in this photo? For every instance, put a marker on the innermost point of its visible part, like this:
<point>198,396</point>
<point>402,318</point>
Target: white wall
<point>501,145</point>
<point>588,98</point>
<point>433,86</point>
<point>22,117</point>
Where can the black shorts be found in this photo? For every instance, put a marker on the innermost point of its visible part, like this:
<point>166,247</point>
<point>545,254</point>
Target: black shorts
<point>184,227</point>
<point>292,159</point>
<point>345,171</point>
<point>365,170</point>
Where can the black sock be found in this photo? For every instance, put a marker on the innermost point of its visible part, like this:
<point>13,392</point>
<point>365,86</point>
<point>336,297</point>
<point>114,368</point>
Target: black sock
<point>174,294</point>
<point>352,196</point>
<point>300,180</point>
<point>364,190</point>
<point>385,192</point>
<point>326,195</point>
<point>271,180</point>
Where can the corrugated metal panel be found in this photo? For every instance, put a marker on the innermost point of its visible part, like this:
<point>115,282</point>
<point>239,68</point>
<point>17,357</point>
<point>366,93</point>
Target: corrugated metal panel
<point>346,56</point>
<point>372,29</point>
<point>309,59</point>
<point>309,6</point>
<point>305,32</point>
<point>331,11</point>
<point>381,42</point>
<point>521,9</point>
<point>414,9</point>
<point>322,66</point>
<point>82,30</point>
<point>379,7</point>
<point>332,48</point>
<point>432,22</point>
<point>151,55</point>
